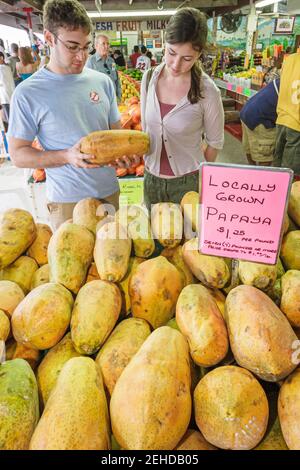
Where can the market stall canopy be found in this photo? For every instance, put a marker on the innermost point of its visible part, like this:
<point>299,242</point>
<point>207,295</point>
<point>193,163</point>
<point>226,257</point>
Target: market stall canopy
<point>12,12</point>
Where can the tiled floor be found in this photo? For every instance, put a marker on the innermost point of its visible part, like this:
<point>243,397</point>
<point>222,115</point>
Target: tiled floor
<point>232,152</point>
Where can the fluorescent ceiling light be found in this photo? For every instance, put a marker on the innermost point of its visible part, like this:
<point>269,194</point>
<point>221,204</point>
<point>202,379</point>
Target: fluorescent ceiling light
<point>264,3</point>
<point>129,13</point>
<point>258,12</point>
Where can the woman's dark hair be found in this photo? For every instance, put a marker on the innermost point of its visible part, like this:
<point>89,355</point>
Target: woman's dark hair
<point>2,55</point>
<point>189,25</point>
<point>69,14</point>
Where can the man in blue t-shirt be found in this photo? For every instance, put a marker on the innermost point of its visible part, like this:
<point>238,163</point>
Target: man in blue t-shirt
<point>258,118</point>
<point>60,104</point>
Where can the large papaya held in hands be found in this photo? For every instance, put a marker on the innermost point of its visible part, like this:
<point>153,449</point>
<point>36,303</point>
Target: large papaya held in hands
<point>110,145</point>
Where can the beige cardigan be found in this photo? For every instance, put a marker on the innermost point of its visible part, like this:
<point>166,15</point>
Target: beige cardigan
<point>182,127</point>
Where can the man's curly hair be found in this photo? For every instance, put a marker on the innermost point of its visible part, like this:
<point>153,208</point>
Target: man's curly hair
<point>69,14</point>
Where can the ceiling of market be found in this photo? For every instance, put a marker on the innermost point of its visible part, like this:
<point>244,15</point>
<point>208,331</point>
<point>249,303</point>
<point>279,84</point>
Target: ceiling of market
<point>12,11</point>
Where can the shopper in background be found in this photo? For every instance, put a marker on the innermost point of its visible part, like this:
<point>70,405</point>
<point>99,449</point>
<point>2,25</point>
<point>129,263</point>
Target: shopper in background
<point>26,67</point>
<point>35,55</point>
<point>59,105</point>
<point>7,87</point>
<point>133,58</point>
<point>119,58</point>
<point>143,62</point>
<point>102,62</point>
<point>2,49</point>
<point>258,118</point>
<point>152,61</point>
<point>178,104</point>
<point>12,62</point>
<point>287,150</point>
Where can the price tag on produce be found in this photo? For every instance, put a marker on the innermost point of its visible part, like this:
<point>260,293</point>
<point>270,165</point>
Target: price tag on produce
<point>242,211</point>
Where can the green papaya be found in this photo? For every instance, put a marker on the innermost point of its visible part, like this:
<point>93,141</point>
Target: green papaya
<point>19,405</point>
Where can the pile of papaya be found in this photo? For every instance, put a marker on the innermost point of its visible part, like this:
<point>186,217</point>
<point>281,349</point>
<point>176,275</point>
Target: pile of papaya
<point>117,332</point>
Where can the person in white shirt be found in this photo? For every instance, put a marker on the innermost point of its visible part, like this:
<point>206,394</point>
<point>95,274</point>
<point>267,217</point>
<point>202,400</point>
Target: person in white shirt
<point>143,62</point>
<point>180,103</point>
<point>7,87</point>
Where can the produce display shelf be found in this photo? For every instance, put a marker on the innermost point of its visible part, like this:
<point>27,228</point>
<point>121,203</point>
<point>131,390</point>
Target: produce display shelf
<point>235,88</point>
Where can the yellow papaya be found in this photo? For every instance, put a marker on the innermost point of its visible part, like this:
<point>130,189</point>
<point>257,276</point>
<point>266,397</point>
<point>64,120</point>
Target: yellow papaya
<point>10,296</point>
<point>193,440</point>
<point>154,289</point>
<point>123,343</point>
<point>70,254</point>
<point>190,209</point>
<point>167,224</point>
<point>231,408</point>
<point>42,318</point>
<point>150,406</point>
<point>92,274</point>
<point>261,337</point>
<point>290,297</point>
<point>41,276</point>
<point>4,326</point>
<point>135,220</point>
<point>175,256</point>
<point>294,203</point>
<point>17,233</point>
<point>289,410</point>
<point>96,310</point>
<point>262,276</point>
<point>123,285</point>
<point>290,250</point>
<point>21,272</point>
<point>201,322</point>
<point>89,212</point>
<point>39,248</point>
<point>76,414</point>
<point>112,252</point>
<point>212,271</point>
<point>52,364</point>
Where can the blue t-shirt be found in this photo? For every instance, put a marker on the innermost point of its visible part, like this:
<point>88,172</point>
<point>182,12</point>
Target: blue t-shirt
<point>59,110</point>
<point>261,108</point>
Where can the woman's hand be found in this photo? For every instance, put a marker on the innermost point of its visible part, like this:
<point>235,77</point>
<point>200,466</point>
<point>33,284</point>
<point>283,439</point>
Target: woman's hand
<point>125,162</point>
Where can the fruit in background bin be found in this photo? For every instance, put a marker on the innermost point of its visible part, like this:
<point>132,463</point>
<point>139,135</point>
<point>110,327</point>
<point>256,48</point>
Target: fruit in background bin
<point>126,121</point>
<point>135,113</point>
<point>39,175</point>
<point>121,172</point>
<point>139,171</point>
<point>132,100</point>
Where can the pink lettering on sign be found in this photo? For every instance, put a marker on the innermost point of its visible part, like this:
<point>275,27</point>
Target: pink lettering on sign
<point>242,211</point>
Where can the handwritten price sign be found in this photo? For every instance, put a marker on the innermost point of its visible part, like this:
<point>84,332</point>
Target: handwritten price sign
<point>242,211</point>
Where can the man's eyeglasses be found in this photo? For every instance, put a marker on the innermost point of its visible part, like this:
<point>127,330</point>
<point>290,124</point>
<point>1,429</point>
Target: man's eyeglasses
<point>106,69</point>
<point>74,48</point>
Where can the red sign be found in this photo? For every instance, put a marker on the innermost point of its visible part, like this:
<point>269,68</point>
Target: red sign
<point>242,211</point>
